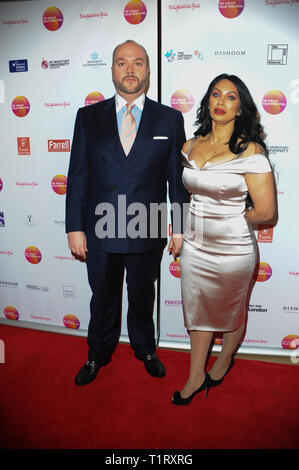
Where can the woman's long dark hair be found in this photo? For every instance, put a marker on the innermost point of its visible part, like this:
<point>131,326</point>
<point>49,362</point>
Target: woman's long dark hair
<point>247,125</point>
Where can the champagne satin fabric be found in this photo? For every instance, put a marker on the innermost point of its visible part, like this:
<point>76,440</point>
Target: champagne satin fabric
<point>219,250</point>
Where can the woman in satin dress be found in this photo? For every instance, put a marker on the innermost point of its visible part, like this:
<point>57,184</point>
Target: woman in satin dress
<point>224,164</point>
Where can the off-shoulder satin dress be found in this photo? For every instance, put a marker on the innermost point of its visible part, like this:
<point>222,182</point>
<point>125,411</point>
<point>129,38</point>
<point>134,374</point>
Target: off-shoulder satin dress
<point>219,249</point>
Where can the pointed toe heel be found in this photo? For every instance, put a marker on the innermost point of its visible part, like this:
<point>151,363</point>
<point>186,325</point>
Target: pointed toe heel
<point>178,400</point>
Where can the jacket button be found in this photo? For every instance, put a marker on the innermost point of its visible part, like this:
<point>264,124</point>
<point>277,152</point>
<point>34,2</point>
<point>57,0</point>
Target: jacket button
<point>114,186</point>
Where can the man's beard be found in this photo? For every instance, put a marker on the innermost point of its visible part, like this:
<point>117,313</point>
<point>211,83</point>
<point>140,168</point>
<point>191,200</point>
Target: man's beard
<point>122,87</point>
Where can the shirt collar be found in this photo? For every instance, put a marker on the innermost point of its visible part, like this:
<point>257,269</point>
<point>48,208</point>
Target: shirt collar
<point>120,102</point>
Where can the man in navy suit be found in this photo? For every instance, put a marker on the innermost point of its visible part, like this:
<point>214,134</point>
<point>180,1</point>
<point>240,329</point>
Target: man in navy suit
<point>104,174</point>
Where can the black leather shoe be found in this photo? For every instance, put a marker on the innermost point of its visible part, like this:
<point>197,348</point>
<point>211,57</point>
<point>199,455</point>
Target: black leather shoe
<point>89,372</point>
<point>153,365</point>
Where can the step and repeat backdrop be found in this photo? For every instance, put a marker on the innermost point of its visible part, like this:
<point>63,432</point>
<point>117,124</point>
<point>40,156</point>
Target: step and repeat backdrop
<point>55,59</point>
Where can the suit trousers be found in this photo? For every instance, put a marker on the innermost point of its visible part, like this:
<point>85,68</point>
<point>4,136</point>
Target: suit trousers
<point>105,276</point>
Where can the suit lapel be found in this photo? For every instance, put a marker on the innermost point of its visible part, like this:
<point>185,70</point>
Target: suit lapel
<point>109,124</point>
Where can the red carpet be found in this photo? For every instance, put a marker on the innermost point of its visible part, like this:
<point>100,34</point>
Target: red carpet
<point>256,406</point>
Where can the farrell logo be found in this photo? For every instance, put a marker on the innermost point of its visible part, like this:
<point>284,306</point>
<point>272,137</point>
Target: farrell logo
<point>60,145</point>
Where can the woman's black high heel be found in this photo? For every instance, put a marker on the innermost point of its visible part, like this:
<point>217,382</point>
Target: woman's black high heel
<point>178,400</point>
<point>214,383</point>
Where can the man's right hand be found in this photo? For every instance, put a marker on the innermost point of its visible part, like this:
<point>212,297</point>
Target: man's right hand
<point>77,243</point>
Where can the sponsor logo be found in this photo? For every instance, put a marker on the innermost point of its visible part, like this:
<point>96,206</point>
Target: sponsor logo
<point>274,102</point>
<point>23,145</point>
<point>275,149</point>
<point>293,273</point>
<point>230,53</point>
<point>88,16</point>
<point>65,258</point>
<point>191,6</point>
<point>135,12</point>
<point>37,288</point>
<point>21,22</point>
<point>33,255</point>
<point>93,97</point>
<point>274,3</point>
<point>61,104</point>
<point>1,184</point>
<point>263,272</point>
<point>68,291</point>
<point>290,309</point>
<point>52,19</point>
<point>18,66</point>
<point>277,54</point>
<point>11,313</point>
<point>172,303</point>
<point>290,342</point>
<point>40,318</point>
<point>30,221</point>
<point>265,235</point>
<point>256,308</point>
<point>9,284</point>
<point>8,252</point>
<point>94,61</point>
<point>23,184</point>
<point>171,56</point>
<point>71,321</point>
<point>59,183</point>
<point>231,8</point>
<point>54,64</point>
<point>60,223</point>
<point>182,100</point>
<point>60,145</point>
<point>2,221</point>
<point>20,106</point>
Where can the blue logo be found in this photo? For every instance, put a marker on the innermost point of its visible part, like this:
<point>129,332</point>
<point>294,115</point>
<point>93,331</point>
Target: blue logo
<point>170,55</point>
<point>18,65</point>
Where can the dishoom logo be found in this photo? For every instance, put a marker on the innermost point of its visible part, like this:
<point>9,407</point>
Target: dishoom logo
<point>11,313</point>
<point>274,102</point>
<point>52,18</point>
<point>233,53</point>
<point>23,145</point>
<point>33,255</point>
<point>277,54</point>
<point>60,145</point>
<point>182,100</point>
<point>71,321</point>
<point>265,235</point>
<point>231,8</point>
<point>59,183</point>
<point>290,342</point>
<point>20,106</point>
<point>175,268</point>
<point>263,272</point>
<point>135,12</point>
<point>93,97</point>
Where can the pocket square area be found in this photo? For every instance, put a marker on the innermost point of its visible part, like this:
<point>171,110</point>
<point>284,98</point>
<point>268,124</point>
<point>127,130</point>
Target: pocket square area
<point>160,137</point>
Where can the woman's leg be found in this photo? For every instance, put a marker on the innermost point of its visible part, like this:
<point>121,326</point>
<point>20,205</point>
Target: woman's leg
<point>231,341</point>
<point>200,344</point>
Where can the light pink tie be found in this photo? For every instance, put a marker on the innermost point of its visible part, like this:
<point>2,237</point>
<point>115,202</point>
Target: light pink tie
<point>128,129</point>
